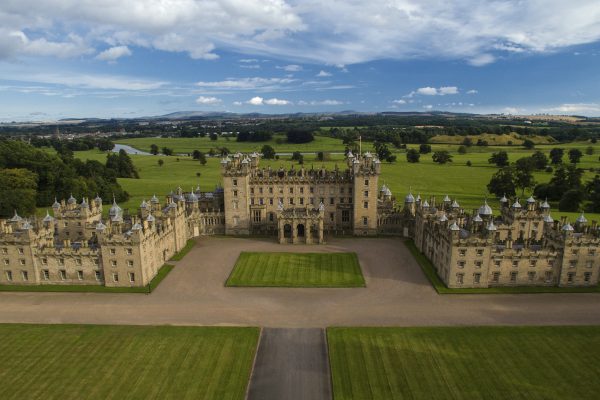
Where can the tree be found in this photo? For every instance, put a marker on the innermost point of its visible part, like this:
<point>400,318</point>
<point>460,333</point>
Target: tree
<point>589,150</point>
<point>18,192</point>
<point>442,157</point>
<point>462,149</point>
<point>167,151</point>
<point>323,156</point>
<point>528,144</point>
<point>575,155</point>
<point>469,163</point>
<point>161,162</point>
<point>571,200</point>
<point>412,156</point>
<point>540,160</point>
<point>105,145</point>
<point>213,136</point>
<point>382,151</point>
<point>565,178</point>
<point>297,156</point>
<point>593,189</point>
<point>503,182</point>
<point>153,149</point>
<point>425,148</point>
<point>524,179</point>
<point>556,155</point>
<point>122,164</point>
<point>300,136</point>
<point>268,152</point>
<point>467,142</point>
<point>202,158</point>
<point>196,154</point>
<point>499,158</point>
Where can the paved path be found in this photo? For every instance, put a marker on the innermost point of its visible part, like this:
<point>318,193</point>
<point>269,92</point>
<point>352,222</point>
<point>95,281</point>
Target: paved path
<point>397,294</point>
<point>291,364</point>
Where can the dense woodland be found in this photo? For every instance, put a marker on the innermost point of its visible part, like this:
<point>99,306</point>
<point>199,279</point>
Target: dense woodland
<point>31,177</point>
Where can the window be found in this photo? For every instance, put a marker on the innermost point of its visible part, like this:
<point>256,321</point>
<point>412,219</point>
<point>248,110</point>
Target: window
<point>113,251</point>
<point>270,190</point>
<point>235,193</point>
<point>44,261</point>
<point>96,261</point>
<point>570,277</point>
<point>342,190</point>
<point>479,252</point>
<point>301,200</point>
<point>496,277</point>
<point>365,221</point>
<point>78,261</point>
<point>497,263</point>
<point>66,224</point>
<point>331,200</point>
<point>548,276</point>
<point>461,264</point>
<point>236,220</point>
<point>115,277</point>
<point>366,182</point>
<point>460,278</point>
<point>129,251</point>
<point>271,201</point>
<point>20,249</point>
<point>591,252</point>
<point>251,190</point>
<point>25,275</point>
<point>312,189</point>
<point>130,263</point>
<point>260,190</point>
<point>256,217</point>
<point>80,275</point>
<point>97,275</point>
<point>331,217</point>
<point>513,277</point>
<point>462,252</point>
<point>345,215</point>
<point>8,275</point>
<point>587,277</point>
<point>291,190</point>
<point>131,277</point>
<point>515,263</point>
<point>350,190</point>
<point>531,276</point>
<point>291,201</point>
<point>366,193</point>
<point>4,250</point>
<point>113,263</point>
<point>271,217</point>
<point>61,261</point>
<point>574,251</point>
<point>235,182</point>
<point>476,278</point>
<point>22,261</point>
<point>366,204</point>
<point>235,204</point>
<point>45,274</point>
<point>478,264</point>
<point>589,264</point>
<point>63,274</point>
<point>341,200</point>
<point>572,263</point>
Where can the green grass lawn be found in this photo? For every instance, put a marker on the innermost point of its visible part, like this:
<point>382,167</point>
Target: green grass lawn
<point>467,184</point>
<point>465,363</point>
<point>125,362</point>
<point>186,249</point>
<point>429,271</point>
<point>297,270</point>
<point>162,274</point>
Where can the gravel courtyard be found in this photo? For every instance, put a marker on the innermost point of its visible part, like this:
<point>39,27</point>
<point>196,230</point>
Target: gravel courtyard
<point>397,294</point>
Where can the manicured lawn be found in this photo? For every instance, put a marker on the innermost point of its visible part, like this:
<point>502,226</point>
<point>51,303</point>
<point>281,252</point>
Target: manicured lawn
<point>297,270</point>
<point>429,271</point>
<point>465,363</point>
<point>125,362</point>
<point>186,249</point>
<point>162,274</point>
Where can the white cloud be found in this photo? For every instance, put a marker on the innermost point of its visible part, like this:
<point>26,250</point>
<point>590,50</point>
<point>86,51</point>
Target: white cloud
<point>247,84</point>
<point>431,91</point>
<point>428,106</point>
<point>399,101</point>
<point>248,60</point>
<point>16,42</point>
<point>277,102</point>
<point>472,91</point>
<point>318,31</point>
<point>237,103</point>
<point>511,110</point>
<point>590,109</point>
<point>256,101</point>
<point>291,68</point>
<point>208,101</point>
<point>327,102</point>
<point>114,53</point>
<point>323,74</point>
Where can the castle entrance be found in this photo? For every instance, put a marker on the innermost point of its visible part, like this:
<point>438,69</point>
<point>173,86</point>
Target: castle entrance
<point>300,225</point>
<point>301,230</point>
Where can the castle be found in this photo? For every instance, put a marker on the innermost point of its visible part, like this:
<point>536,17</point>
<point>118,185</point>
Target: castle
<point>76,245</point>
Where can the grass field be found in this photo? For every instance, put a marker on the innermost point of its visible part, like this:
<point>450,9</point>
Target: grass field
<point>125,362</point>
<point>429,271</point>
<point>465,363</point>
<point>297,270</point>
<point>467,184</point>
<point>186,249</point>
<point>162,274</point>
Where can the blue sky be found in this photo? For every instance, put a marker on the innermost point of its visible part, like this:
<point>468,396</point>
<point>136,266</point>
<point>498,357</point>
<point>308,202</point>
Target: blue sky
<point>109,58</point>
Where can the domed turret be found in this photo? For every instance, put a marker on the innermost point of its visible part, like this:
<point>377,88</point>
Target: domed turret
<point>443,218</point>
<point>100,226</point>
<point>545,205</point>
<point>47,219</point>
<point>409,198</point>
<point>516,204</point>
<point>455,204</point>
<point>55,205</point>
<point>491,227</point>
<point>503,200</point>
<point>115,210</point>
<point>548,219</point>
<point>581,220</point>
<point>454,227</point>
<point>485,210</point>
<point>16,217</point>
<point>72,200</point>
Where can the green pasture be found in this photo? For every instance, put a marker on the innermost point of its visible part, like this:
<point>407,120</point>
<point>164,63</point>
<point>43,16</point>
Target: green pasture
<point>465,363</point>
<point>467,184</point>
<point>125,362</point>
<point>297,270</point>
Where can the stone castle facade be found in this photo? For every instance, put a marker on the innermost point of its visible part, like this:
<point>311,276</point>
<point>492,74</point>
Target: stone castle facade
<point>77,245</point>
